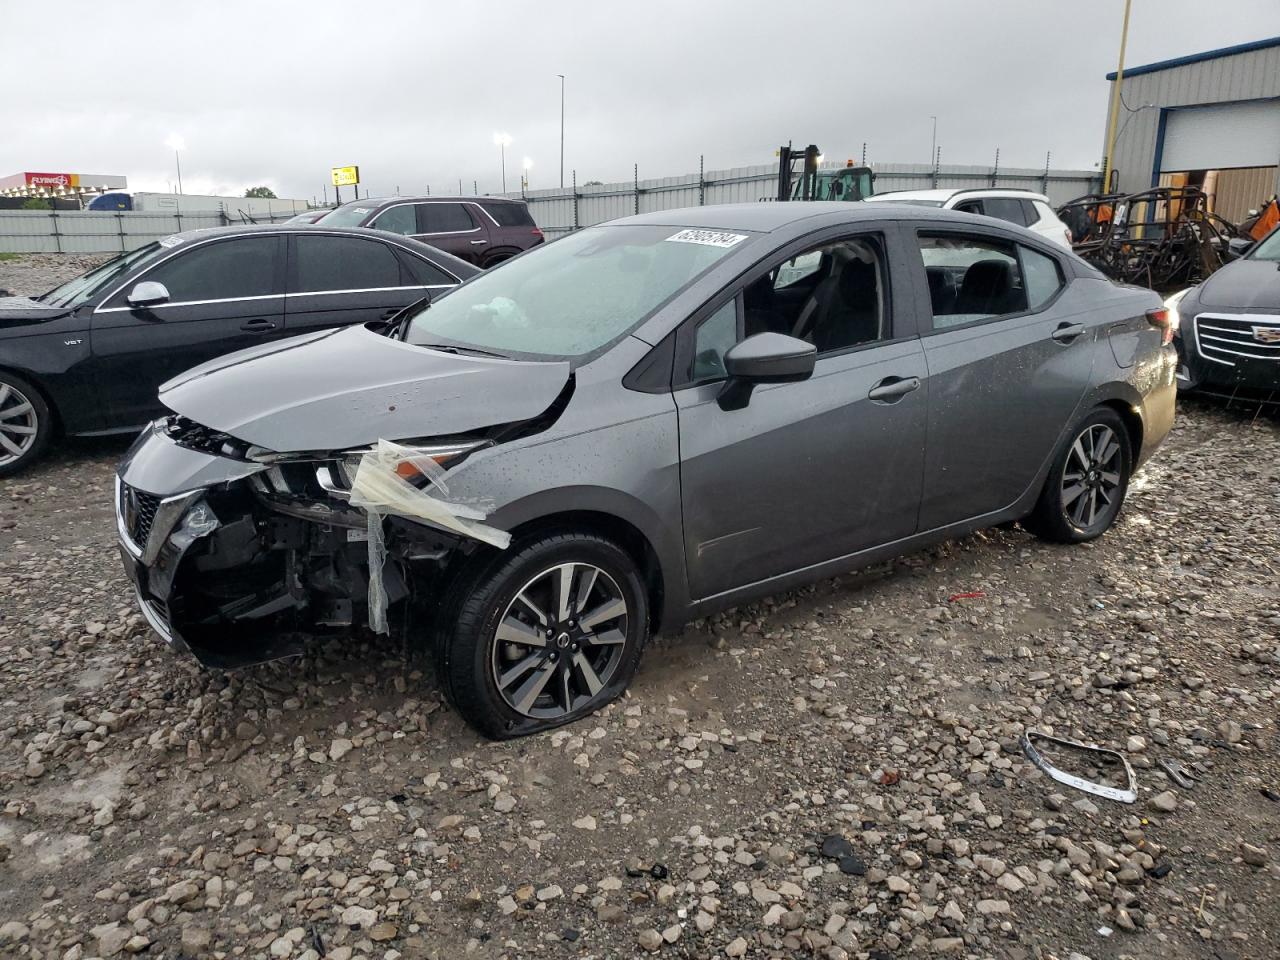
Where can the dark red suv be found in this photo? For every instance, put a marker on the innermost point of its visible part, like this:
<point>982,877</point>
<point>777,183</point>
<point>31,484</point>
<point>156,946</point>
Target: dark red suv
<point>482,230</point>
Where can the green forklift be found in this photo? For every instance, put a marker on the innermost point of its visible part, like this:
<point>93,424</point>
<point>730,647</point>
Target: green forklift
<point>799,177</point>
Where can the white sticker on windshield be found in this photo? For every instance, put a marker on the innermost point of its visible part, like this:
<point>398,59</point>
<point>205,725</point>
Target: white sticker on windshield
<point>708,238</point>
<point>170,241</point>
<point>362,210</point>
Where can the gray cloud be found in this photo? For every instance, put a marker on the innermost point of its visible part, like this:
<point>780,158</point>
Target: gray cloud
<point>277,93</point>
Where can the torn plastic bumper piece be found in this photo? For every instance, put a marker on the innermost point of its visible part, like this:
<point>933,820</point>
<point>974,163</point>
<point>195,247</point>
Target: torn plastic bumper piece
<point>1129,795</point>
<point>386,482</point>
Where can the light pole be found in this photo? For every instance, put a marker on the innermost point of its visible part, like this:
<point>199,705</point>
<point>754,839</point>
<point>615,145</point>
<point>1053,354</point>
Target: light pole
<point>524,178</point>
<point>561,76</point>
<point>176,143</point>
<point>503,140</point>
<point>933,142</point>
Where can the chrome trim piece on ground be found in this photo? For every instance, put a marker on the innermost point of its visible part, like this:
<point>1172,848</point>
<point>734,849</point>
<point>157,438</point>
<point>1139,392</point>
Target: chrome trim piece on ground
<point>1129,795</point>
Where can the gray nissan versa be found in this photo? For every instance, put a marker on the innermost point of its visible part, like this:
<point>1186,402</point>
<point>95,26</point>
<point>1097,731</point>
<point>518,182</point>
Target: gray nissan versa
<point>639,424</point>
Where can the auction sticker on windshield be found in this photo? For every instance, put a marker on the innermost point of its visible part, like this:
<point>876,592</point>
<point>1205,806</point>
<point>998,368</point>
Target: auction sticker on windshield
<point>708,238</point>
<point>170,241</point>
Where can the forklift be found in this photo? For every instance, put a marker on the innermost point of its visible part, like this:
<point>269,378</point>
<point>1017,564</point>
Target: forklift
<point>810,183</point>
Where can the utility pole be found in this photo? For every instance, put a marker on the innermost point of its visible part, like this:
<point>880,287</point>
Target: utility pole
<point>933,142</point>
<point>1115,103</point>
<point>561,76</point>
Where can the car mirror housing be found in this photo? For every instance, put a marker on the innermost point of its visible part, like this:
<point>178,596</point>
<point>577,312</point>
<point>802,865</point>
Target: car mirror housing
<point>148,293</point>
<point>764,358</point>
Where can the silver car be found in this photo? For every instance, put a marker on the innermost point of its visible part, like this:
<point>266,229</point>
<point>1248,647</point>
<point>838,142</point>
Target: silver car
<point>642,423</point>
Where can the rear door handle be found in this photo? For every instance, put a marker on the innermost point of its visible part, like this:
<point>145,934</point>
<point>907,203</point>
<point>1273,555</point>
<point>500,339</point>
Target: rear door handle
<point>893,388</point>
<point>1067,332</point>
<point>258,326</point>
<point>473,242</point>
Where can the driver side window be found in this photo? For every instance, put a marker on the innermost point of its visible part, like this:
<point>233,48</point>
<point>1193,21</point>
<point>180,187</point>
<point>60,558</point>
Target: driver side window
<point>833,296</point>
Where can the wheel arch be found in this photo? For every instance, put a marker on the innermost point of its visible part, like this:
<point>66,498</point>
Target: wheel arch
<point>40,387</point>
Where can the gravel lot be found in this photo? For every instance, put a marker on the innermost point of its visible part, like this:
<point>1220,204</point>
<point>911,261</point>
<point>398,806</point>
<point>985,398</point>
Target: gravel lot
<point>832,773</point>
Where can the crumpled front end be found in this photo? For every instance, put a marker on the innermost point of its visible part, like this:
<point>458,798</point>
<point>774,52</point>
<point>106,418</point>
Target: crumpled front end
<point>240,560</point>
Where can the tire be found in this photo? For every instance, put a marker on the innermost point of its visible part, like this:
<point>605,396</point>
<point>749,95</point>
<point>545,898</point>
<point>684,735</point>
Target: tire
<point>26,424</point>
<point>545,669</point>
<point>1087,481</point>
<point>494,261</point>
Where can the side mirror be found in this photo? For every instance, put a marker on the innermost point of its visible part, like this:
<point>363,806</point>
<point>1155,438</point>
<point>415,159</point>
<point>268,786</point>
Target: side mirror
<point>148,293</point>
<point>1237,247</point>
<point>764,358</point>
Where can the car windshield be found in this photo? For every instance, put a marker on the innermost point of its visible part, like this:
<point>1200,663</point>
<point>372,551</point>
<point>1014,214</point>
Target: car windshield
<point>348,215</point>
<point>574,296</point>
<point>1268,247</point>
<point>87,285</point>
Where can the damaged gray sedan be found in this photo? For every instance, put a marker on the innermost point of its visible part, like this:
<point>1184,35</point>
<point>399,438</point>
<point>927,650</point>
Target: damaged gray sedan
<point>637,425</point>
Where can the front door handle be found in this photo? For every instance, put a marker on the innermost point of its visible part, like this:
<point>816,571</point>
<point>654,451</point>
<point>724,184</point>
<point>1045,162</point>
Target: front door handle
<point>474,242</point>
<point>260,325</point>
<point>1067,332</point>
<point>891,389</point>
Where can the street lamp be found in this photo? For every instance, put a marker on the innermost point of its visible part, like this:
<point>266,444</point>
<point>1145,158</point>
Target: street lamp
<point>561,76</point>
<point>525,165</point>
<point>176,143</point>
<point>503,140</point>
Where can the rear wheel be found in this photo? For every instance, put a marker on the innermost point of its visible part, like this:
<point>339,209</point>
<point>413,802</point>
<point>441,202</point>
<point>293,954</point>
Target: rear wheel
<point>545,635</point>
<point>1087,482</point>
<point>26,424</point>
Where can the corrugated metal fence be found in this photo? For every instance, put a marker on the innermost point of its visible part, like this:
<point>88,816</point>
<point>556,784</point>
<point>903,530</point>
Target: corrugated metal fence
<point>560,211</point>
<point>99,231</point>
<point>557,212</point>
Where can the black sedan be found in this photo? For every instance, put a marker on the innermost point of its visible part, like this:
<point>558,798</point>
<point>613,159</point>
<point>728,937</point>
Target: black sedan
<point>87,357</point>
<point>1228,328</point>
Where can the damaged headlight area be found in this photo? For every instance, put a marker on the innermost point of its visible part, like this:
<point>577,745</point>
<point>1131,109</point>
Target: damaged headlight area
<point>290,546</point>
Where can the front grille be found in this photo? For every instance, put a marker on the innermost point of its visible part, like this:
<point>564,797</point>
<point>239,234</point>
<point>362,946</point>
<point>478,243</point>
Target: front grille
<point>1227,338</point>
<point>139,510</point>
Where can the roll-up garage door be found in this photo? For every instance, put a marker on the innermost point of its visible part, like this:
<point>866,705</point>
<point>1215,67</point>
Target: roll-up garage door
<point>1222,136</point>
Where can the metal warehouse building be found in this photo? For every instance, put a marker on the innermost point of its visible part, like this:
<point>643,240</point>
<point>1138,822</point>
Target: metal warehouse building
<point>1210,120</point>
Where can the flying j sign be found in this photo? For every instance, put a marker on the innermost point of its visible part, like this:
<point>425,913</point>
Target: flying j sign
<point>345,176</point>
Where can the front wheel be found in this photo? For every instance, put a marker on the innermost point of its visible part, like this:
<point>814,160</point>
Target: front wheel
<point>26,424</point>
<point>544,635</point>
<point>1087,482</point>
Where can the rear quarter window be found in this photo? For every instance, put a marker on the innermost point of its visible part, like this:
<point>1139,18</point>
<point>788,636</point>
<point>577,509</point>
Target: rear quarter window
<point>509,214</point>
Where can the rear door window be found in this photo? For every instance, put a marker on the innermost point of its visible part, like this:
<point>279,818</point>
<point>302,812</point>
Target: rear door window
<point>398,219</point>
<point>444,218</point>
<point>225,270</point>
<point>1043,277</point>
<point>1004,208</point>
<point>419,273</point>
<point>324,264</point>
<point>971,279</point>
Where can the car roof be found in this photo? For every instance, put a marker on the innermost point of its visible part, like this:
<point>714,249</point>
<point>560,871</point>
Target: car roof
<point>943,194</point>
<point>312,229</point>
<point>767,217</point>
<point>383,201</point>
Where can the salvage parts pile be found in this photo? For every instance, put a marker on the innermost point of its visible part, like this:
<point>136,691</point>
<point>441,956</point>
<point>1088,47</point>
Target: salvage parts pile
<point>248,568</point>
<point>1161,238</point>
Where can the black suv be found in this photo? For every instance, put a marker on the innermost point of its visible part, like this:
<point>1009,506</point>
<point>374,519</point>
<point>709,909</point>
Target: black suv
<point>480,230</point>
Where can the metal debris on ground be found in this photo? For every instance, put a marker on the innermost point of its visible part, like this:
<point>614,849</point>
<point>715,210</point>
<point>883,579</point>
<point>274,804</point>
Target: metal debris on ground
<point>1126,795</point>
<point>1178,773</point>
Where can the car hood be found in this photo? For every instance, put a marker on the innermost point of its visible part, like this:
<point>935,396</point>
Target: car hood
<point>23,310</point>
<point>339,389</point>
<point>1245,285</point>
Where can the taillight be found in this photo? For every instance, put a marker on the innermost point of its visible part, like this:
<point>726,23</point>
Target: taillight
<point>538,233</point>
<point>1159,317</point>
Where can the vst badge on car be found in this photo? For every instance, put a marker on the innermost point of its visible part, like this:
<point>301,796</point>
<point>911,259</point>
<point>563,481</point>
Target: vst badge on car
<point>1266,334</point>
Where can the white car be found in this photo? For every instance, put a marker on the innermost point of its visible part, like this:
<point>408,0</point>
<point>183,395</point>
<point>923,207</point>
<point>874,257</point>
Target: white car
<point>1026,209</point>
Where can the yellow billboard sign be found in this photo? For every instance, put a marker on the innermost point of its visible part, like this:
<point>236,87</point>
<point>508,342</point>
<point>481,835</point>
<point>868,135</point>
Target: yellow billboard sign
<point>345,176</point>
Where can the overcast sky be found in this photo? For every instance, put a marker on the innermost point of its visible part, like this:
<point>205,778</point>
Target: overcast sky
<point>276,93</point>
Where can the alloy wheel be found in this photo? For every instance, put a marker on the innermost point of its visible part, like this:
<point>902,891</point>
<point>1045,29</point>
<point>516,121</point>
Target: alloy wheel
<point>19,424</point>
<point>559,640</point>
<point>1091,479</point>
